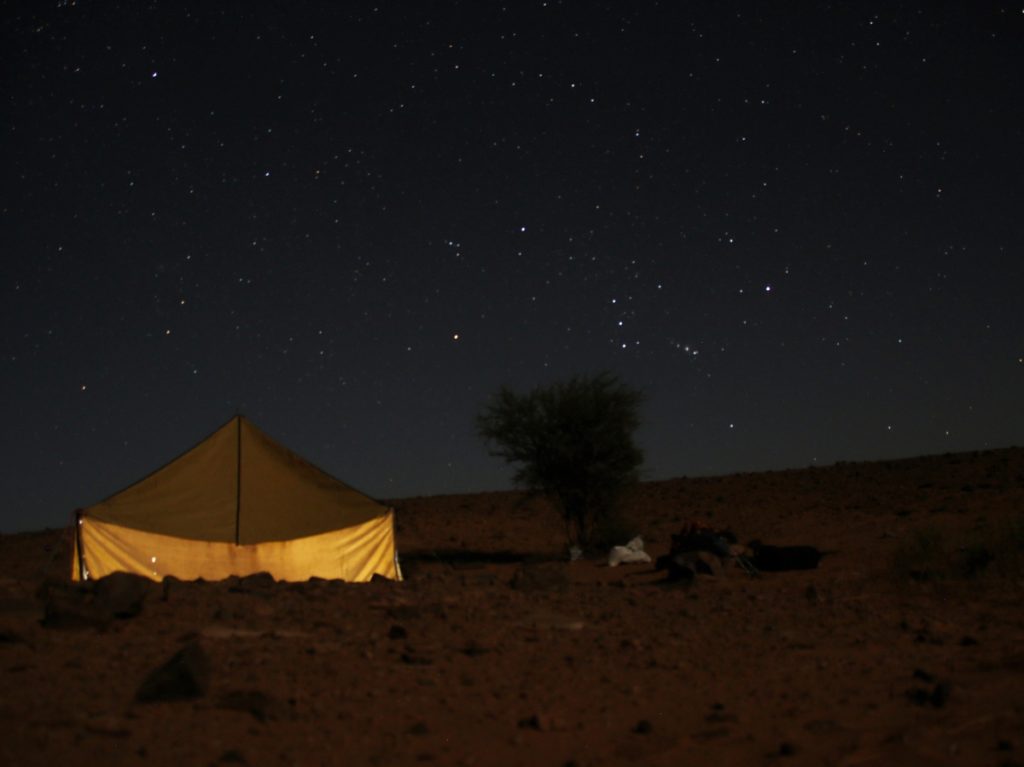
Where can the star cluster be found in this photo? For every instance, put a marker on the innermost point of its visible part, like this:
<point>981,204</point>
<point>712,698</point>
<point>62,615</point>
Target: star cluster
<point>797,233</point>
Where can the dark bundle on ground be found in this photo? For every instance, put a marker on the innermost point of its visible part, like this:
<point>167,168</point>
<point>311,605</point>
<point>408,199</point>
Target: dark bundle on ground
<point>695,550</point>
<point>779,558</point>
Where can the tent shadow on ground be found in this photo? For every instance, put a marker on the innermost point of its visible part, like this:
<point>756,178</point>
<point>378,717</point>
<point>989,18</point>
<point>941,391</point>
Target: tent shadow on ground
<point>472,557</point>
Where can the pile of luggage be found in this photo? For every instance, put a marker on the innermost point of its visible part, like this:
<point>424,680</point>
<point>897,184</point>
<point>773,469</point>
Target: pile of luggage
<point>699,548</point>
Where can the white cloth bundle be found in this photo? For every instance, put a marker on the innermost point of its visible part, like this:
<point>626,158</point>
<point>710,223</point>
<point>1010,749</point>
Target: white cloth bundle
<point>628,554</point>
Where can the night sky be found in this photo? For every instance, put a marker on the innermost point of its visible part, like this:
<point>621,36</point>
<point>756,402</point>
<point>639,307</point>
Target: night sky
<point>800,233</point>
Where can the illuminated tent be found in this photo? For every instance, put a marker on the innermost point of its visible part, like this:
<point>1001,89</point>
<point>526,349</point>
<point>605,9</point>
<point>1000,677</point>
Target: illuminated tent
<point>237,503</point>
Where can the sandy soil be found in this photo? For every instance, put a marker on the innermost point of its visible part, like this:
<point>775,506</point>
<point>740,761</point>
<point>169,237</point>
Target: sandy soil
<point>497,651</point>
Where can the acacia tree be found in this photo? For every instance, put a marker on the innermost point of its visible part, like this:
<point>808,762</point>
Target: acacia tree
<point>572,442</point>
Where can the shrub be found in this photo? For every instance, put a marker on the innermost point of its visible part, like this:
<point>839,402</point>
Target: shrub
<point>573,443</point>
<point>998,551</point>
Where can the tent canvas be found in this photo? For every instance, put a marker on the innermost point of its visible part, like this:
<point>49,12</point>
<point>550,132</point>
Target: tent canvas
<point>237,503</point>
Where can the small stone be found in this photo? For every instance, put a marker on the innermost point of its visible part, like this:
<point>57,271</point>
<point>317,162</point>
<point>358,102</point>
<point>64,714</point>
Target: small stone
<point>183,677</point>
<point>412,659</point>
<point>531,722</point>
<point>643,727</point>
<point>474,649</point>
<point>923,675</point>
<point>542,722</point>
<point>917,696</point>
<point>940,694</point>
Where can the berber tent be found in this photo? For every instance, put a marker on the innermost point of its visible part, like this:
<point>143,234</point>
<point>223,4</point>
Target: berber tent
<point>238,503</point>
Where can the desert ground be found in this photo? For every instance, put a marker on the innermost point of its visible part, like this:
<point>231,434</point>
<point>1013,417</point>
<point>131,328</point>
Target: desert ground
<point>904,647</point>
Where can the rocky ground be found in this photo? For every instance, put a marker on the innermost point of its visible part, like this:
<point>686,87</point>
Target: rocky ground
<point>904,647</point>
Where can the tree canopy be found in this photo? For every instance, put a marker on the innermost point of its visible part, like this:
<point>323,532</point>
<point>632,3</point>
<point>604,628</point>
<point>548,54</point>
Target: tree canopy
<point>571,442</point>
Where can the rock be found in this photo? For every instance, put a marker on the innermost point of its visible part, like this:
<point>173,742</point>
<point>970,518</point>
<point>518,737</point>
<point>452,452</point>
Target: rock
<point>411,658</point>
<point>251,583</point>
<point>643,727</point>
<point>541,722</point>
<point>121,594</point>
<point>259,704</point>
<point>940,694</point>
<point>183,677</point>
<point>474,649</point>
<point>924,676</point>
<point>72,607</point>
<point>93,604</point>
<point>935,697</point>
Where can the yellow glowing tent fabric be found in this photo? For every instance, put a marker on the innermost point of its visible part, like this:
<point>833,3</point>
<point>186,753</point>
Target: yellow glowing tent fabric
<point>237,503</point>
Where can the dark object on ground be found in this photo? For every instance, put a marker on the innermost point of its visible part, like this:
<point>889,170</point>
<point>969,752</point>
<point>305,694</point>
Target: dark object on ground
<point>183,677</point>
<point>686,565</point>
<point>698,549</point>
<point>698,537</point>
<point>122,594</point>
<point>779,558</point>
<point>976,559</point>
<point>259,704</point>
<point>936,697</point>
<point>676,569</point>
<point>71,607</point>
<point>247,584</point>
<point>93,604</point>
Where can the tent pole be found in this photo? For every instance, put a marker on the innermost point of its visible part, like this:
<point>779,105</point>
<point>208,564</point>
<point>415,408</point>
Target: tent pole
<point>238,485</point>
<point>78,544</point>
